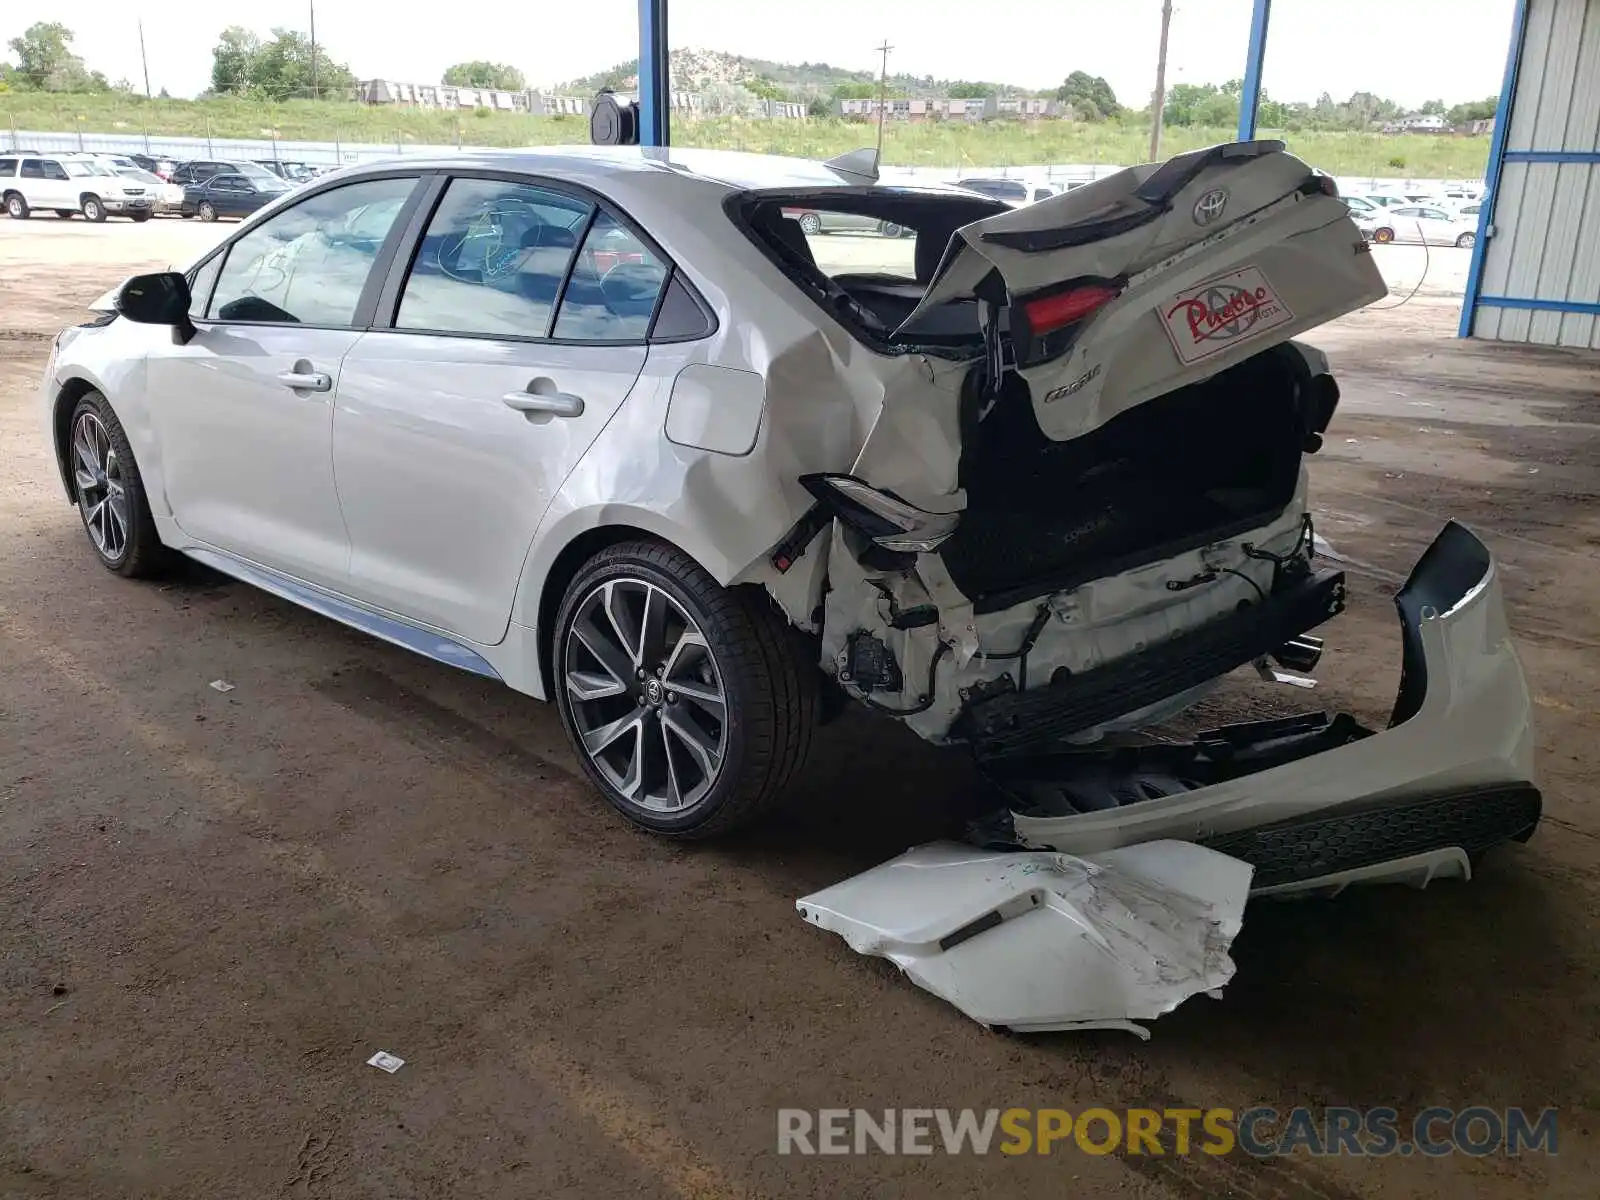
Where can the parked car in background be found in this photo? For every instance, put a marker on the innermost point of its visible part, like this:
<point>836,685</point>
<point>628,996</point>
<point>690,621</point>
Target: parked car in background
<point>168,196</point>
<point>289,172</point>
<point>816,222</point>
<point>1424,225</point>
<point>1016,192</point>
<point>1384,199</point>
<point>200,169</point>
<point>156,166</point>
<point>1359,205</point>
<point>70,183</point>
<point>231,196</point>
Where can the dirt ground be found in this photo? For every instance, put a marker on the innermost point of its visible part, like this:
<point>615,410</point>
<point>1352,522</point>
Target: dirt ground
<point>214,908</point>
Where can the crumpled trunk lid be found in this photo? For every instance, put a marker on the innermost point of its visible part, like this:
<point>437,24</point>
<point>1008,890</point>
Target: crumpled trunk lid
<point>1191,266</point>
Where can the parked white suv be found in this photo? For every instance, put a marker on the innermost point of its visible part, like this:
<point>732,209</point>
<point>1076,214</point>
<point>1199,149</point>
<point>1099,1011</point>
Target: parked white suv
<point>71,183</point>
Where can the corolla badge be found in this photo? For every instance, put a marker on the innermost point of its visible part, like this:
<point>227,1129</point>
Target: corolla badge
<point>1209,207</point>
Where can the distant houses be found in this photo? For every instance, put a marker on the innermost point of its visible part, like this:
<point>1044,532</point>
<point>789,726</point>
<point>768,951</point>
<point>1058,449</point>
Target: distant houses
<point>1433,123</point>
<point>938,108</point>
<point>545,104</point>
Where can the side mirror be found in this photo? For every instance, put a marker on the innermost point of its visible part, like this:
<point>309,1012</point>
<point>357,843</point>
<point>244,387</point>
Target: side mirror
<point>160,299</point>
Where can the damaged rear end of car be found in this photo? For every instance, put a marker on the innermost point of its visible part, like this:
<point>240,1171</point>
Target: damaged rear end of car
<point>1083,498</point>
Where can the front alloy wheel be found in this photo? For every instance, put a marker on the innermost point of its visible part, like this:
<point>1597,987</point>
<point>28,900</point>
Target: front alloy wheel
<point>690,705</point>
<point>110,492</point>
<point>645,695</point>
<point>102,494</point>
<point>207,213</point>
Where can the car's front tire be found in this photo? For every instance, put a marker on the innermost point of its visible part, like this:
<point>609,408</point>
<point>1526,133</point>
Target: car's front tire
<point>688,704</point>
<point>66,214</point>
<point>207,213</point>
<point>1383,236</point>
<point>810,224</point>
<point>110,492</point>
<point>1466,241</point>
<point>139,217</point>
<point>93,209</point>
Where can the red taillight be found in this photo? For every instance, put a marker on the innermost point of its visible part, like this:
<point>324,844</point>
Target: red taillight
<point>1064,308</point>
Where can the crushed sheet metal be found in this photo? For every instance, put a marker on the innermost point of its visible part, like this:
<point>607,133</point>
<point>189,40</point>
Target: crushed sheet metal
<point>1035,941</point>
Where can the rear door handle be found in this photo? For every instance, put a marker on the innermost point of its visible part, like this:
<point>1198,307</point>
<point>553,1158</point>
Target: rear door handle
<point>560,404</point>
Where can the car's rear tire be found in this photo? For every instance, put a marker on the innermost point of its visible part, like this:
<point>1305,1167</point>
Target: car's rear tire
<point>110,492</point>
<point>16,206</point>
<point>810,224</point>
<point>139,218</point>
<point>93,209</point>
<point>1466,241</point>
<point>890,230</point>
<point>689,704</point>
<point>66,214</point>
<point>207,213</point>
<point>1383,236</point>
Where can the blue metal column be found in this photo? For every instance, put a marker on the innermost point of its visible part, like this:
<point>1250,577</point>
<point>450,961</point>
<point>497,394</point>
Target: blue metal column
<point>1250,99</point>
<point>1491,175</point>
<point>655,84</point>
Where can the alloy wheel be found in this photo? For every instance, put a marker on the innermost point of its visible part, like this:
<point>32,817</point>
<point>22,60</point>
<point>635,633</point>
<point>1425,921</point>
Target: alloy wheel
<point>102,496</point>
<point>645,694</point>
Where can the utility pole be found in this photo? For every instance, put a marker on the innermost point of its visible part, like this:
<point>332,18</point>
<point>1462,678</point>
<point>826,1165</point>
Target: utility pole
<point>1158,101</point>
<point>143,59</point>
<point>883,90</point>
<point>314,90</point>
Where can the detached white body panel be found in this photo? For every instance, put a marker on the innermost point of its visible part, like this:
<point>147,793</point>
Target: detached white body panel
<point>1036,942</point>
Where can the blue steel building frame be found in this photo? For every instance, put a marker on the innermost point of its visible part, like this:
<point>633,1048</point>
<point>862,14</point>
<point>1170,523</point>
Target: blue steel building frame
<point>655,84</point>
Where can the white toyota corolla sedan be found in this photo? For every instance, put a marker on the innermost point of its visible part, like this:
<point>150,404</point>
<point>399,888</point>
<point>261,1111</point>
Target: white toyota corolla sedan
<point>604,424</point>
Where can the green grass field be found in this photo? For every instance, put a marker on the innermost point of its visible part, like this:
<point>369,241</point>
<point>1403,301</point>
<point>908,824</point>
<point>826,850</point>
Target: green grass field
<point>999,143</point>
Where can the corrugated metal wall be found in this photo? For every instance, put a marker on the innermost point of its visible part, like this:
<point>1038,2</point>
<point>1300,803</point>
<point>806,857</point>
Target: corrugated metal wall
<point>1545,250</point>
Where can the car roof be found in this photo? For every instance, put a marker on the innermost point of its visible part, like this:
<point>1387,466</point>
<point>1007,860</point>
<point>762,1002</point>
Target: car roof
<point>644,166</point>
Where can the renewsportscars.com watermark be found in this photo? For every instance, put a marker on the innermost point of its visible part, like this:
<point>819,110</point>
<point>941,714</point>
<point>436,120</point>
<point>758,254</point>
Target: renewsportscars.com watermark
<point>1262,1132</point>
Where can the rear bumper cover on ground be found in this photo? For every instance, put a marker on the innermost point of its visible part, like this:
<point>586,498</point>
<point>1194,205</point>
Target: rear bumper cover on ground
<point>1451,776</point>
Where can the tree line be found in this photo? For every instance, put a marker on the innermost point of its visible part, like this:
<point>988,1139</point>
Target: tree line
<point>287,66</point>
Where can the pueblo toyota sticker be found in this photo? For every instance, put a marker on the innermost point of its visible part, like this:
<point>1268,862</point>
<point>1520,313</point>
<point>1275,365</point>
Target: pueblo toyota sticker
<point>1221,313</point>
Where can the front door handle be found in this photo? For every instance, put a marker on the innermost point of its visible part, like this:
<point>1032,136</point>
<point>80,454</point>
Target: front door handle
<point>303,378</point>
<point>559,404</point>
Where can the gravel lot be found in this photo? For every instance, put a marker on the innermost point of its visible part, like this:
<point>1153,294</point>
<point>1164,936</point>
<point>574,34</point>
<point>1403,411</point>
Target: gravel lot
<point>214,908</point>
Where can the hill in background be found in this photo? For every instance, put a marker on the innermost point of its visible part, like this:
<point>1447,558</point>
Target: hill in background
<point>703,70</point>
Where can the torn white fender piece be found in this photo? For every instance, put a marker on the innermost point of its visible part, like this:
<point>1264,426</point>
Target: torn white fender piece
<point>1042,941</point>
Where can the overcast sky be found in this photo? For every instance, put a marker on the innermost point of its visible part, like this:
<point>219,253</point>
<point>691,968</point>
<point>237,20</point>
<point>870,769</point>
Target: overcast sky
<point>1409,50</point>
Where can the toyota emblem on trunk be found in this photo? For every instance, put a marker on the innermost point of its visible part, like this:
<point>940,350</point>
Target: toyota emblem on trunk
<point>1209,207</point>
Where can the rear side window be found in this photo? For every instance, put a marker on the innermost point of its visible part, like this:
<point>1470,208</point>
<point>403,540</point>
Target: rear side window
<point>493,260</point>
<point>309,263</point>
<point>613,287</point>
<point>32,168</point>
<point>8,167</point>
